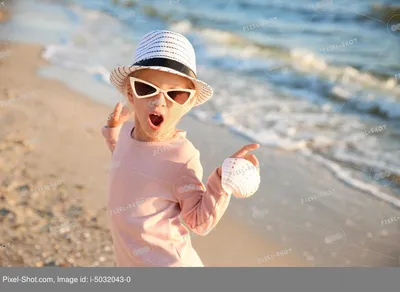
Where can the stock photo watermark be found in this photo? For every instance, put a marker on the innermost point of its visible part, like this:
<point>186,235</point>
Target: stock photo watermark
<point>262,23</point>
<point>368,132</point>
<point>383,176</point>
<point>244,171</point>
<point>375,130</point>
<point>274,255</point>
<point>19,98</point>
<point>397,76</point>
<point>190,188</point>
<point>335,240</point>
<point>48,187</point>
<point>126,207</point>
<point>339,46</point>
<point>393,26</point>
<point>316,197</point>
<point>332,238</point>
<point>140,251</point>
<point>390,220</point>
<point>169,147</point>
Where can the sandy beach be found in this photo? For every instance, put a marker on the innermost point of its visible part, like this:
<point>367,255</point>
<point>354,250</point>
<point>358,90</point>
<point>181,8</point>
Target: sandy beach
<point>54,171</point>
<point>53,182</point>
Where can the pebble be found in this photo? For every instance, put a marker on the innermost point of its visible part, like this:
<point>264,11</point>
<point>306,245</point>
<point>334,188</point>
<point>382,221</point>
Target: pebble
<point>45,218</point>
<point>73,211</point>
<point>23,188</point>
<point>50,264</point>
<point>64,229</point>
<point>4,211</point>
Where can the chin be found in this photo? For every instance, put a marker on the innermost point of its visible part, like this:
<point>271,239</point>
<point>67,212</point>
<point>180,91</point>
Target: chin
<point>154,132</point>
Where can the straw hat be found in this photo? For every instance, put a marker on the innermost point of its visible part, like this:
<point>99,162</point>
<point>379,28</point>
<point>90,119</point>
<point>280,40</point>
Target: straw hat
<point>166,51</point>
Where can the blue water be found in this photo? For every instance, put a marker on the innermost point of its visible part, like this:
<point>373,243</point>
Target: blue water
<point>307,76</point>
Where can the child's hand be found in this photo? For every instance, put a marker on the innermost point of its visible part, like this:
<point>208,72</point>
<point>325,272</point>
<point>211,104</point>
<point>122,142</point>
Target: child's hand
<point>119,116</point>
<point>243,153</point>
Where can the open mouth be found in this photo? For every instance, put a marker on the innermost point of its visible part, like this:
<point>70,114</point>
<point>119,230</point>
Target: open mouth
<point>155,120</point>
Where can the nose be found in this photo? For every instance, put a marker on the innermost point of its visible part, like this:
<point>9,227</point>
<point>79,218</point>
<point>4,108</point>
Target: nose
<point>159,100</point>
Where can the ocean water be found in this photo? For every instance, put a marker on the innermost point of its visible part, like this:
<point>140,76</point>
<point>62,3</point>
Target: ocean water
<point>321,78</point>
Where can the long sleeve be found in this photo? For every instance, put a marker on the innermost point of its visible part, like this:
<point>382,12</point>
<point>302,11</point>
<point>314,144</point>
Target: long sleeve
<point>201,207</point>
<point>111,135</point>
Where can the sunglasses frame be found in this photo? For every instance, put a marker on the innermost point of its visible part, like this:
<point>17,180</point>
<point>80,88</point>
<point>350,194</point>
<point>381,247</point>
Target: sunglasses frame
<point>158,90</point>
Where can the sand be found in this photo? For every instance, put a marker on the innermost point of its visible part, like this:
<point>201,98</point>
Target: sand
<point>53,182</point>
<point>341,226</point>
<point>54,179</point>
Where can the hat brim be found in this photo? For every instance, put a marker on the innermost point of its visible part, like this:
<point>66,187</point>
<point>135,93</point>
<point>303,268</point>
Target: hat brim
<point>119,74</point>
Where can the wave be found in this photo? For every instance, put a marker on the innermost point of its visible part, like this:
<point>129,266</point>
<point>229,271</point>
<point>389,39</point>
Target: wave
<point>376,170</point>
<point>368,92</point>
<point>297,125</point>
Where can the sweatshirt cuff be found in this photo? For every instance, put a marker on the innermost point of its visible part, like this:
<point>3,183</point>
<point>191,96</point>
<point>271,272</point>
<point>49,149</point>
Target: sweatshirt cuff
<point>214,180</point>
<point>111,134</point>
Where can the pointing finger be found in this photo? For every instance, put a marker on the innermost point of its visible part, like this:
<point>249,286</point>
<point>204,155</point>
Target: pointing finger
<point>125,112</point>
<point>243,151</point>
<point>117,111</point>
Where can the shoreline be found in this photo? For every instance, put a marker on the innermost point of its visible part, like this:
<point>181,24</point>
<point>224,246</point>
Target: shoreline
<point>342,229</point>
<point>243,228</point>
<point>44,187</point>
<point>68,40</point>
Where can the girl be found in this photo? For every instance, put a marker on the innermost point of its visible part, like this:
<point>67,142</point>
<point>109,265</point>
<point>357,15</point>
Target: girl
<point>156,174</point>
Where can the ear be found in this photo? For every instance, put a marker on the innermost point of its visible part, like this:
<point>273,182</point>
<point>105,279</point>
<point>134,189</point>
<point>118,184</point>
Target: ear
<point>129,92</point>
<point>130,97</point>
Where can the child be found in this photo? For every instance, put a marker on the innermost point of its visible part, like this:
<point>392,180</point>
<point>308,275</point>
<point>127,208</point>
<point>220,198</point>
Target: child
<point>156,174</point>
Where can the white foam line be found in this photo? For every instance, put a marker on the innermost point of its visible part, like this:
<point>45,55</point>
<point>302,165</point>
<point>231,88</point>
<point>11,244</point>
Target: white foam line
<point>345,177</point>
<point>50,51</point>
<point>371,163</point>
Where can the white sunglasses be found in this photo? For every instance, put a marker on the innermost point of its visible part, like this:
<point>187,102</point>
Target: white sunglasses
<point>144,89</point>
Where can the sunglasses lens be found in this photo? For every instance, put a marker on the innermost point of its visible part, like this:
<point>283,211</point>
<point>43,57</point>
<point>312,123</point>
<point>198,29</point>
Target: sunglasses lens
<point>143,89</point>
<point>179,96</point>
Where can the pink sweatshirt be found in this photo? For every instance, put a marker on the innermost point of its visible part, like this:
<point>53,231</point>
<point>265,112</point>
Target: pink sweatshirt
<point>152,186</point>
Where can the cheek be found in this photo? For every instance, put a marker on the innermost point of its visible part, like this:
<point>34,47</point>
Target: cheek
<point>140,103</point>
<point>141,107</point>
<point>175,114</point>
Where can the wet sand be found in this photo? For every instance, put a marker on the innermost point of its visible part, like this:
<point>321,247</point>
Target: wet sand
<point>53,182</point>
<point>53,169</point>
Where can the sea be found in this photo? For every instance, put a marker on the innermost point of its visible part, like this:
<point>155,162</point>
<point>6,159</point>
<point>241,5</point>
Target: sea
<point>319,78</point>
